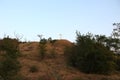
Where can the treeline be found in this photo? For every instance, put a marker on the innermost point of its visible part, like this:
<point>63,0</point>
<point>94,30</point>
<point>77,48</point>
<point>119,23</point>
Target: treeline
<point>93,54</point>
<point>96,53</point>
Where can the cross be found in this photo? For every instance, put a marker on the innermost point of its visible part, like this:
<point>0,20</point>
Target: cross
<point>60,36</point>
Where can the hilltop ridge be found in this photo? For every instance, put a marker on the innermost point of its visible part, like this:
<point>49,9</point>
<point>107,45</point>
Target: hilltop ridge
<point>54,65</point>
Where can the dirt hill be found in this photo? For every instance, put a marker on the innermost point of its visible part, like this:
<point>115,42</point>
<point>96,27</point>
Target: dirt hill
<point>54,66</point>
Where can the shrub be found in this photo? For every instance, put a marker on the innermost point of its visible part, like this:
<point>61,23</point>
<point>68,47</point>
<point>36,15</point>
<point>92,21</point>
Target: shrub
<point>10,46</point>
<point>42,51</point>
<point>33,69</point>
<point>100,60</point>
<point>9,65</point>
<point>89,56</point>
<point>42,46</point>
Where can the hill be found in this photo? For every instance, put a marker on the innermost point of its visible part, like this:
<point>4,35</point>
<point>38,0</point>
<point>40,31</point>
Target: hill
<point>54,66</point>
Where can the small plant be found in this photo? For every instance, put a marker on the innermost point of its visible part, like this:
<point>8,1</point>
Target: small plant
<point>33,69</point>
<point>42,46</point>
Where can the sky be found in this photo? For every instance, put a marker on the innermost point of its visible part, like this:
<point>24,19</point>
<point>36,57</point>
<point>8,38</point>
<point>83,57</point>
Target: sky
<point>50,18</point>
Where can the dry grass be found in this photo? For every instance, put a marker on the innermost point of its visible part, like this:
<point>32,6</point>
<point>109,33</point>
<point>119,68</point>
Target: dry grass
<point>52,68</point>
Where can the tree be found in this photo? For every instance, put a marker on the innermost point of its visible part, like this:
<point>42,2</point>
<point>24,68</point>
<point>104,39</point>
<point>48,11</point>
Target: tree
<point>101,39</point>
<point>90,55</point>
<point>115,38</point>
<point>18,36</point>
<point>116,30</point>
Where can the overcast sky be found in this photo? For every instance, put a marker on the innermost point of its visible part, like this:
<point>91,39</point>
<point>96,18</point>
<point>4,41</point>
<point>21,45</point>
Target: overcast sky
<point>53,17</point>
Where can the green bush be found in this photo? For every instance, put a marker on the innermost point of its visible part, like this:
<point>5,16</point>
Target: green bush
<point>90,56</point>
<point>42,46</point>
<point>98,61</point>
<point>9,65</point>
<point>10,46</point>
<point>42,51</point>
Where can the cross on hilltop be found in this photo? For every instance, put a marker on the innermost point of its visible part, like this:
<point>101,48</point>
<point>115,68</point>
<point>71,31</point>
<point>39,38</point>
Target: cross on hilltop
<point>60,36</point>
